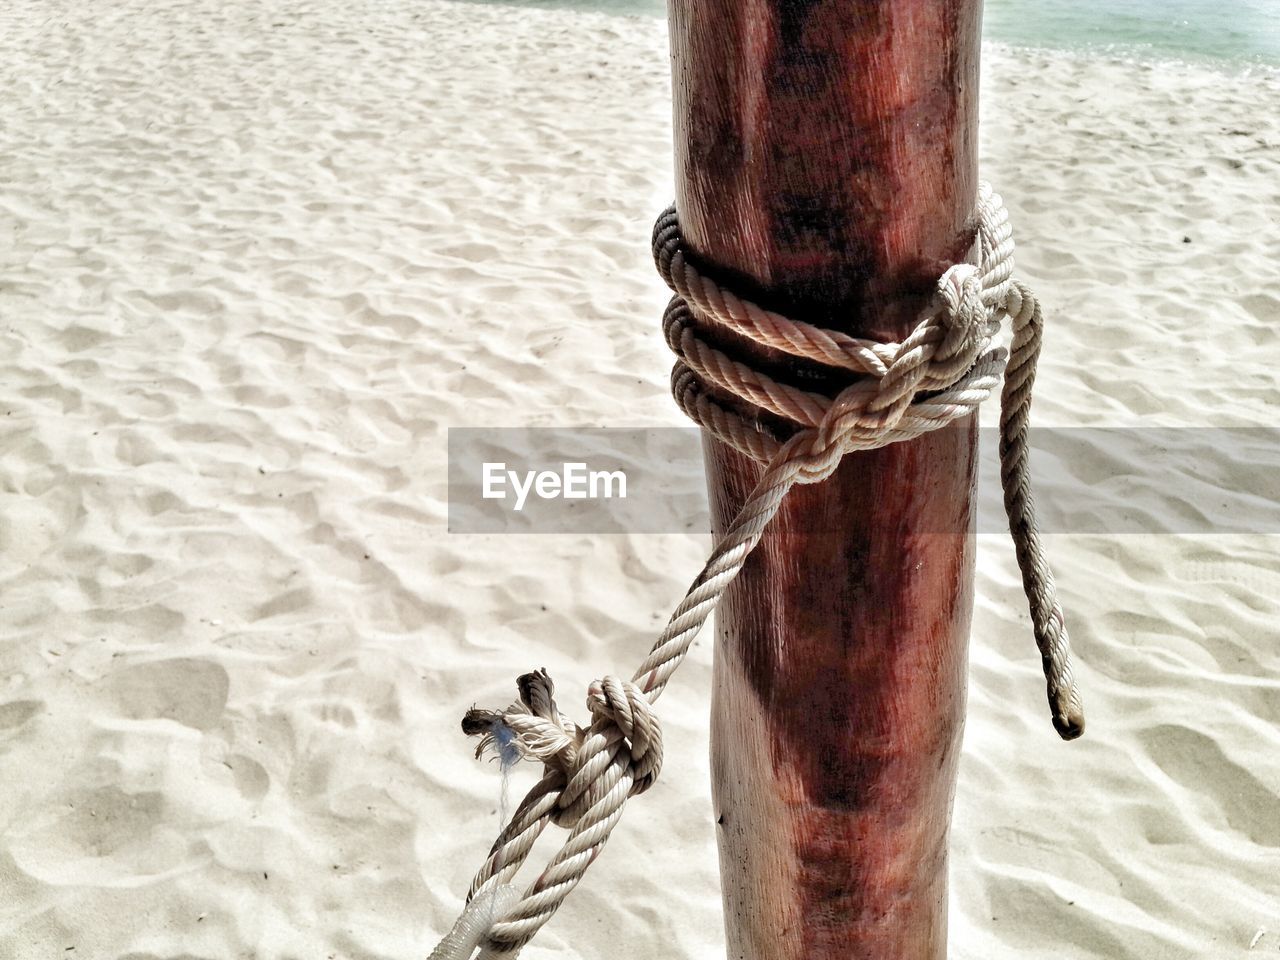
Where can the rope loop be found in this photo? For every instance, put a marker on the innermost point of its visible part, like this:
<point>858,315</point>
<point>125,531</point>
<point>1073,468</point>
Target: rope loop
<point>939,373</point>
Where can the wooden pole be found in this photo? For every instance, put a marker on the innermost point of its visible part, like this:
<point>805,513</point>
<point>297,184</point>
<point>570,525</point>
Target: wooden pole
<point>826,164</point>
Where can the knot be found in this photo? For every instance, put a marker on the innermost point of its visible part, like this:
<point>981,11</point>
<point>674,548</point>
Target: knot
<point>941,353</point>
<point>626,706</point>
<point>963,317</point>
<point>939,373</point>
<point>533,728</point>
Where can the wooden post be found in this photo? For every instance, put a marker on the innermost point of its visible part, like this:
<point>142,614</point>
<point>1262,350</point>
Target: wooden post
<point>826,165</point>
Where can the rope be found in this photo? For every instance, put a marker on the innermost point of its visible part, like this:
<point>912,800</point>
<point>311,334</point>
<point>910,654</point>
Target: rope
<point>941,372</point>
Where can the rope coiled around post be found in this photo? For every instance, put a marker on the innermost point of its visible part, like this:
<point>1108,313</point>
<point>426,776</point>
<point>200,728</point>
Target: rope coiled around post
<point>941,372</point>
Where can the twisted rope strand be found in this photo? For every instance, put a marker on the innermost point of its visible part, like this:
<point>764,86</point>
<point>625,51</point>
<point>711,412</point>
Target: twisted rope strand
<point>939,373</point>
<point>1047,620</point>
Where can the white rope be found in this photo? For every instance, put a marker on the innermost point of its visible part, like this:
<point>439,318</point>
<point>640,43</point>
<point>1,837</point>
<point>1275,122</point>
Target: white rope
<point>940,373</point>
<point>473,926</point>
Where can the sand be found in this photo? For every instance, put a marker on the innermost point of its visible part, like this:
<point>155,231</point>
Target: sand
<point>256,258</point>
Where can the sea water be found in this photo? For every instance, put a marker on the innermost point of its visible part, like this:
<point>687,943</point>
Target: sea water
<point>1239,31</point>
<point>1226,30</point>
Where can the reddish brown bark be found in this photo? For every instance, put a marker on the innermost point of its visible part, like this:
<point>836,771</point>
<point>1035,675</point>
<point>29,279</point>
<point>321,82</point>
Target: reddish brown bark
<point>826,163</point>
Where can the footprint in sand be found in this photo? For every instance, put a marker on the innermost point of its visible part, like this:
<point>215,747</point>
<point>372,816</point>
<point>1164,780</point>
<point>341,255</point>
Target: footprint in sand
<point>96,833</point>
<point>190,691</point>
<point>152,620</point>
<point>1199,765</point>
<point>251,777</point>
<point>291,601</point>
<point>102,821</point>
<point>15,713</point>
<point>135,450</point>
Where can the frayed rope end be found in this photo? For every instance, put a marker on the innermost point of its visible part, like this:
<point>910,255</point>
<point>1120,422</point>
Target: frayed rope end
<point>494,733</point>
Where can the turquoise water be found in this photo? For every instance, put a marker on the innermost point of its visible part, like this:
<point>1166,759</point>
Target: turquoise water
<point>1241,31</point>
<point>1236,30</point>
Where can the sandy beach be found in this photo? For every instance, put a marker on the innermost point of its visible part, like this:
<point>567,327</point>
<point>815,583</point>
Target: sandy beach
<point>257,258</point>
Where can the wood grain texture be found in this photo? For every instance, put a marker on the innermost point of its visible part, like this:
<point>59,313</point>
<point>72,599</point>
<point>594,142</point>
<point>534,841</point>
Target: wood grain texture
<point>826,164</point>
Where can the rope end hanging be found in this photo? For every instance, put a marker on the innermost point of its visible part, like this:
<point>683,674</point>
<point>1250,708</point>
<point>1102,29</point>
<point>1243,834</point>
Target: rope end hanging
<point>1064,695</point>
<point>1023,309</point>
<point>1070,726</point>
